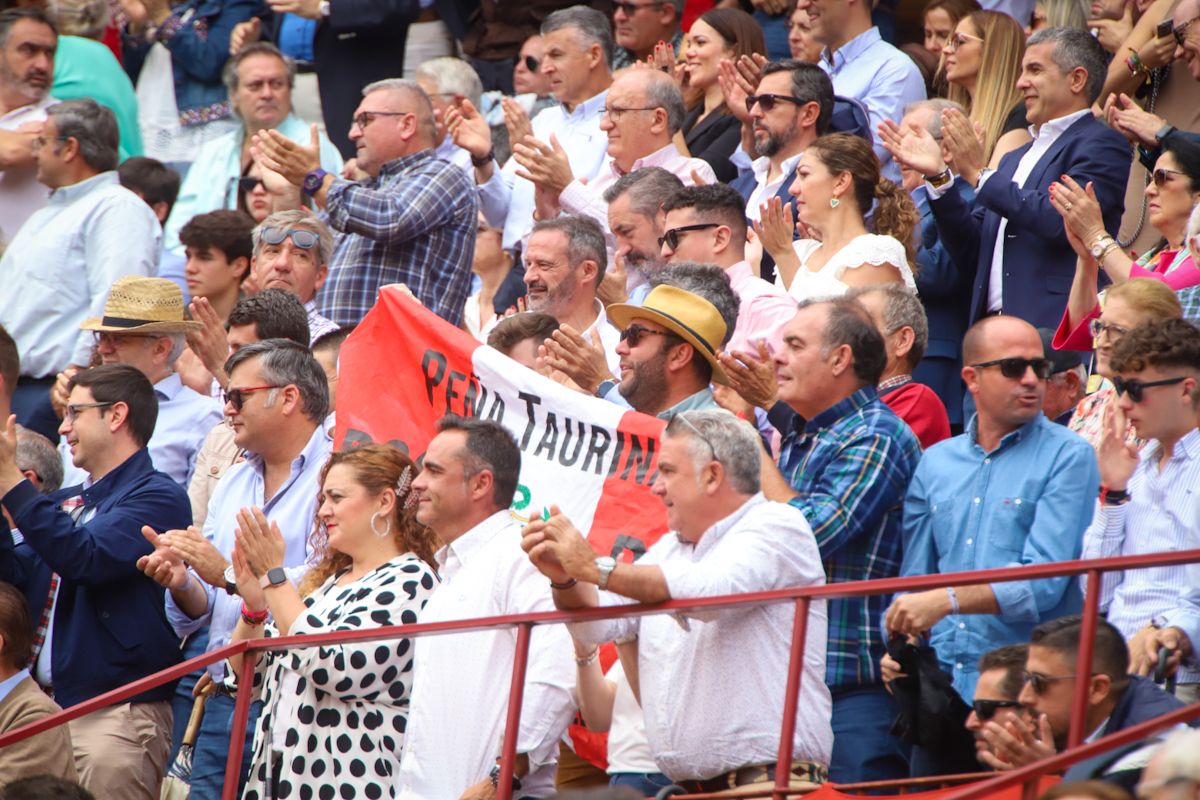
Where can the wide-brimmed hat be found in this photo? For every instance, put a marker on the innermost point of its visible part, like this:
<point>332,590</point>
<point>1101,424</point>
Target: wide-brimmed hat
<point>142,305</point>
<point>686,314</point>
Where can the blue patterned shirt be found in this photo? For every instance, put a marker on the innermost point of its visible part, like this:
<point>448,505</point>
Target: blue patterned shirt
<point>851,465</point>
<point>414,224</point>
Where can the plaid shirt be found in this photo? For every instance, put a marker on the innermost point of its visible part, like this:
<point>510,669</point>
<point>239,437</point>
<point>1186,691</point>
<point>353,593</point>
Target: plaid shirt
<point>414,224</point>
<point>851,465</point>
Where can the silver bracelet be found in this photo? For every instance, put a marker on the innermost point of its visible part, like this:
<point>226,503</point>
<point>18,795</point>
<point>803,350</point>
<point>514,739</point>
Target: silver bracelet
<point>589,659</point>
<point>954,607</point>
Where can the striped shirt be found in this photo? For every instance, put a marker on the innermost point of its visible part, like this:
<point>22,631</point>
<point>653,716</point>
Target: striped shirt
<point>851,465</point>
<point>414,224</point>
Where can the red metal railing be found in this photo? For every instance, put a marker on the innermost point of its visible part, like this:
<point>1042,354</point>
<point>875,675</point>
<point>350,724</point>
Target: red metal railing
<point>801,597</point>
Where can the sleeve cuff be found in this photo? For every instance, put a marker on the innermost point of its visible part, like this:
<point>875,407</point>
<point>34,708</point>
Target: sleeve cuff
<point>934,192</point>
<point>574,198</point>
<point>18,499</point>
<point>1016,601</point>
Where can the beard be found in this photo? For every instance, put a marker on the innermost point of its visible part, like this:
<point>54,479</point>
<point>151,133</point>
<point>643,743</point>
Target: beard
<point>774,142</point>
<point>646,385</point>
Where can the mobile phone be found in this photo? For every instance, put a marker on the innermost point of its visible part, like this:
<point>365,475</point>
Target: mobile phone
<point>1164,28</point>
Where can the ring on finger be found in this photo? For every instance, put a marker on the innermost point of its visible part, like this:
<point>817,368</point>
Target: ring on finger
<point>1067,205</point>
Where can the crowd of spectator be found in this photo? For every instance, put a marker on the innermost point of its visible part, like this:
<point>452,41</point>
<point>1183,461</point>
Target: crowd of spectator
<point>902,307</point>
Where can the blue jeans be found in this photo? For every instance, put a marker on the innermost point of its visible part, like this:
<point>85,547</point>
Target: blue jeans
<point>182,702</point>
<point>212,748</point>
<point>863,749</point>
<point>648,783</point>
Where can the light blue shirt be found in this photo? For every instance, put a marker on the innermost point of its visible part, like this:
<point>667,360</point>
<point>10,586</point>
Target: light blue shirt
<point>508,200</point>
<point>214,186</point>
<point>293,508</point>
<point>1026,502</point>
<point>59,268</point>
<point>8,684</point>
<point>879,76</point>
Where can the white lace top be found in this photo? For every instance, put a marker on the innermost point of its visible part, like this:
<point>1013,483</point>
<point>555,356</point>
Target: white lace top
<point>869,248</point>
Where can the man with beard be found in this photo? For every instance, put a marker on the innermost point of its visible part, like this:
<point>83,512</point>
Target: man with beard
<point>636,217</point>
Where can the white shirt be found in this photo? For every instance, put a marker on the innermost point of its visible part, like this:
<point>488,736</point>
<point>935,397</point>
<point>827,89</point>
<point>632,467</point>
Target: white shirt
<point>628,750</point>
<point>461,681</point>
<point>20,192</point>
<point>610,337</point>
<point>449,151</point>
<point>508,200</point>
<point>60,267</point>
<point>706,712</point>
<point>1043,137</point>
<point>764,190</point>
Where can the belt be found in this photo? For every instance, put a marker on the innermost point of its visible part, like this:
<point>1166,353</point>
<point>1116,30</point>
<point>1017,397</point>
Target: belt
<point>999,313</point>
<point>809,771</point>
<point>26,380</point>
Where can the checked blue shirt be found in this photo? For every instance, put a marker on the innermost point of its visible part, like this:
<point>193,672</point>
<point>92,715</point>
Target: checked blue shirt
<point>414,224</point>
<point>851,465</point>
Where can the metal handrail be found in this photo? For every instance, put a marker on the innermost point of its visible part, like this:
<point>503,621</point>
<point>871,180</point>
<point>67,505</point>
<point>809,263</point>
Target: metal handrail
<point>801,597</point>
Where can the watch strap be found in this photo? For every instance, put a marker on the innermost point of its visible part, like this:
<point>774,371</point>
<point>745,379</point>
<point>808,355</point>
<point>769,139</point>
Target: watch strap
<point>275,576</point>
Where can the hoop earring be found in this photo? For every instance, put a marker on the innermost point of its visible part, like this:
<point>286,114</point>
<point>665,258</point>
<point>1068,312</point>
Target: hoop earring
<point>833,202</point>
<point>387,530</point>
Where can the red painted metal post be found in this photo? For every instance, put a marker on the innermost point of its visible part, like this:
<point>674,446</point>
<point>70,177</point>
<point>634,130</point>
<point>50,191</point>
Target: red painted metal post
<point>1083,661</point>
<point>516,695</point>
<point>241,718</point>
<point>791,699</point>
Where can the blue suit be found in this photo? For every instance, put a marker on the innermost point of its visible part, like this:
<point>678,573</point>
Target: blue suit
<point>745,183</point>
<point>110,623</point>
<point>1039,263</point>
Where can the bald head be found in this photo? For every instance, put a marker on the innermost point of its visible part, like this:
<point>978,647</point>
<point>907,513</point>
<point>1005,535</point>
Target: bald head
<point>991,336</point>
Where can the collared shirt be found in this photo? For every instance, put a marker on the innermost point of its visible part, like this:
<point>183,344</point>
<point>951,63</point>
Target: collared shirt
<point>763,310</point>
<point>700,401</point>
<point>705,713</point>
<point>765,189</point>
<point>1028,501</point>
<point>10,683</point>
<point>216,184</point>
<point>609,335</point>
<point>851,465</point>
<point>1160,517</point>
<point>1044,136</point>
<point>63,262</point>
<point>457,685</point>
<point>623,57</point>
<point>293,507</point>
<point>880,77</point>
<point>21,193</point>
<point>414,224</point>
<point>507,199</point>
<point>318,325</point>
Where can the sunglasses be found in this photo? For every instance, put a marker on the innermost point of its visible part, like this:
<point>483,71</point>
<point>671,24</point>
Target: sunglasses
<point>1040,682</point>
<point>1180,31</point>
<point>1015,367</point>
<point>305,240</point>
<point>249,184</point>
<point>1098,326</point>
<point>1162,175</point>
<point>532,64</point>
<point>671,237</point>
<point>629,9</point>
<point>634,333</point>
<point>986,709</point>
<point>237,397</point>
<point>1137,389</point>
<point>768,101</point>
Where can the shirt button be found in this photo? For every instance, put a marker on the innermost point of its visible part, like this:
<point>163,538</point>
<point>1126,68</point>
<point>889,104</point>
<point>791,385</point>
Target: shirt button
<point>970,541</point>
<point>958,665</point>
<point>987,461</point>
<point>976,501</point>
<point>213,470</point>
<point>962,626</point>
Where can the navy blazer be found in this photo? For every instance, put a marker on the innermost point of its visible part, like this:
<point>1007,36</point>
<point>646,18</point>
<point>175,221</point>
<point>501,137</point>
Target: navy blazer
<point>110,624</point>
<point>1039,263</point>
<point>745,183</point>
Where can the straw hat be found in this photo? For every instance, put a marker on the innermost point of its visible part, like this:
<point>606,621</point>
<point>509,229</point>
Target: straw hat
<point>686,314</point>
<point>142,305</point>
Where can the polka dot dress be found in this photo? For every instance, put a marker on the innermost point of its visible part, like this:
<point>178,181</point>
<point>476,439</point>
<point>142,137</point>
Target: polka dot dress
<point>347,705</point>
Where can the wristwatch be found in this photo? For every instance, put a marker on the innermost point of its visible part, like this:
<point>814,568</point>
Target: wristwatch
<point>313,181</point>
<point>275,577</point>
<point>1163,132</point>
<point>941,179</point>
<point>605,564</point>
<point>230,580</point>
<point>494,777</point>
<point>1102,245</point>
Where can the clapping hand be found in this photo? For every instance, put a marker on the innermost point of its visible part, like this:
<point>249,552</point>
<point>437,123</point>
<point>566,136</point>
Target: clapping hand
<point>1128,119</point>
<point>752,376</point>
<point>516,120</point>
<point>963,141</point>
<point>165,565</point>
<point>468,129</point>
<point>290,159</point>
<point>199,552</point>
<point>1015,744</point>
<point>209,344</point>
<point>573,355</point>
<point>543,164</point>
<point>1079,208</point>
<point>259,541</point>
<point>915,148</point>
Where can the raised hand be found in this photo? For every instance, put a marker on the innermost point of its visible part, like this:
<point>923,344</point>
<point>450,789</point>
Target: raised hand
<point>752,375</point>
<point>1079,208</point>
<point>571,354</point>
<point>914,148</point>
<point>290,159</point>
<point>209,344</point>
<point>245,33</point>
<point>1117,457</point>
<point>516,120</point>
<point>259,541</point>
<point>468,129</point>
<point>963,141</point>
<point>165,565</point>
<point>544,164</point>
<point>199,552</point>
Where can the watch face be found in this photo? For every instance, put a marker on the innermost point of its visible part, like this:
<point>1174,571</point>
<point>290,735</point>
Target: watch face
<point>230,575</point>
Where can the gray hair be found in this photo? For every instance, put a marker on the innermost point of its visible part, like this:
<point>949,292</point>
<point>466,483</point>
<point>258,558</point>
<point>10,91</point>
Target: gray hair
<point>229,74</point>
<point>178,344</point>
<point>591,26</point>
<point>453,76</point>
<point>86,18</point>
<point>37,454</point>
<point>704,280</point>
<point>11,16</point>
<point>1073,48</point>
<point>655,186</point>
<point>717,435</point>
<point>585,240</point>
<point>413,90</point>
<point>287,363</point>
<point>663,92</point>
<point>93,126</point>
<point>297,218</point>
<point>1178,755</point>
<point>937,105</point>
<point>901,309</point>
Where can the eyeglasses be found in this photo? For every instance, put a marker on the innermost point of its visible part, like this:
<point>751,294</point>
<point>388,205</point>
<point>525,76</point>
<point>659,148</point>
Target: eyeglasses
<point>959,39</point>
<point>768,101</point>
<point>1162,174</point>
<point>305,240</point>
<point>237,397</point>
<point>1137,389</point>
<point>614,113</point>
<point>671,237</point>
<point>679,415</point>
<point>117,339</point>
<point>249,184</point>
<point>1098,326</point>
<point>1180,31</point>
<point>634,333</point>
<point>629,9</point>
<point>1014,368</point>
<point>73,409</point>
<point>986,709</point>
<point>364,118</point>
<point>1040,682</point>
<point>532,64</point>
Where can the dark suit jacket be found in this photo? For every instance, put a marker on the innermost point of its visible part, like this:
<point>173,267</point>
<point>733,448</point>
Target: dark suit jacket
<point>110,623</point>
<point>745,183</point>
<point>713,139</point>
<point>1039,264</point>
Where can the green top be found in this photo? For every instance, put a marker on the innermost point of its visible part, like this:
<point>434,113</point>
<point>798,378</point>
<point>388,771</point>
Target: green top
<point>86,68</point>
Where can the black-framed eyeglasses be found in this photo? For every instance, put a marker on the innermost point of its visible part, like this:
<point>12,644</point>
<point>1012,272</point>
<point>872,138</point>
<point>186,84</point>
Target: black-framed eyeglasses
<point>768,101</point>
<point>986,709</point>
<point>1015,367</point>
<point>532,64</point>
<point>1136,389</point>
<point>305,240</point>
<point>237,397</point>
<point>1180,30</point>
<point>614,112</point>
<point>1041,682</point>
<point>671,237</point>
<point>629,9</point>
<point>73,409</point>
<point>1098,326</point>
<point>364,118</point>
<point>1162,174</point>
<point>248,184</point>
<point>634,333</point>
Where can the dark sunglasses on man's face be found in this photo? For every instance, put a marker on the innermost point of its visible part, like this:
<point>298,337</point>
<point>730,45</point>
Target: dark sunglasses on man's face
<point>1015,367</point>
<point>532,64</point>
<point>768,101</point>
<point>671,237</point>
<point>986,709</point>
<point>1136,389</point>
<point>237,397</point>
<point>634,333</point>
<point>305,240</point>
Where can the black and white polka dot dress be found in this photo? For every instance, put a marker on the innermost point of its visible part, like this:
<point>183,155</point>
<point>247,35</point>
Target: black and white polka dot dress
<point>342,708</point>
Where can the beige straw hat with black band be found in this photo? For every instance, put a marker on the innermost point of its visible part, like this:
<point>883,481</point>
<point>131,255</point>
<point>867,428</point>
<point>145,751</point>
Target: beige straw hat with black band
<point>142,305</point>
<point>688,315</point>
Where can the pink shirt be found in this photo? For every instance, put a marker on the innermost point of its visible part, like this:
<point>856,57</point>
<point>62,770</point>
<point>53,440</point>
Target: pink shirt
<point>764,310</point>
